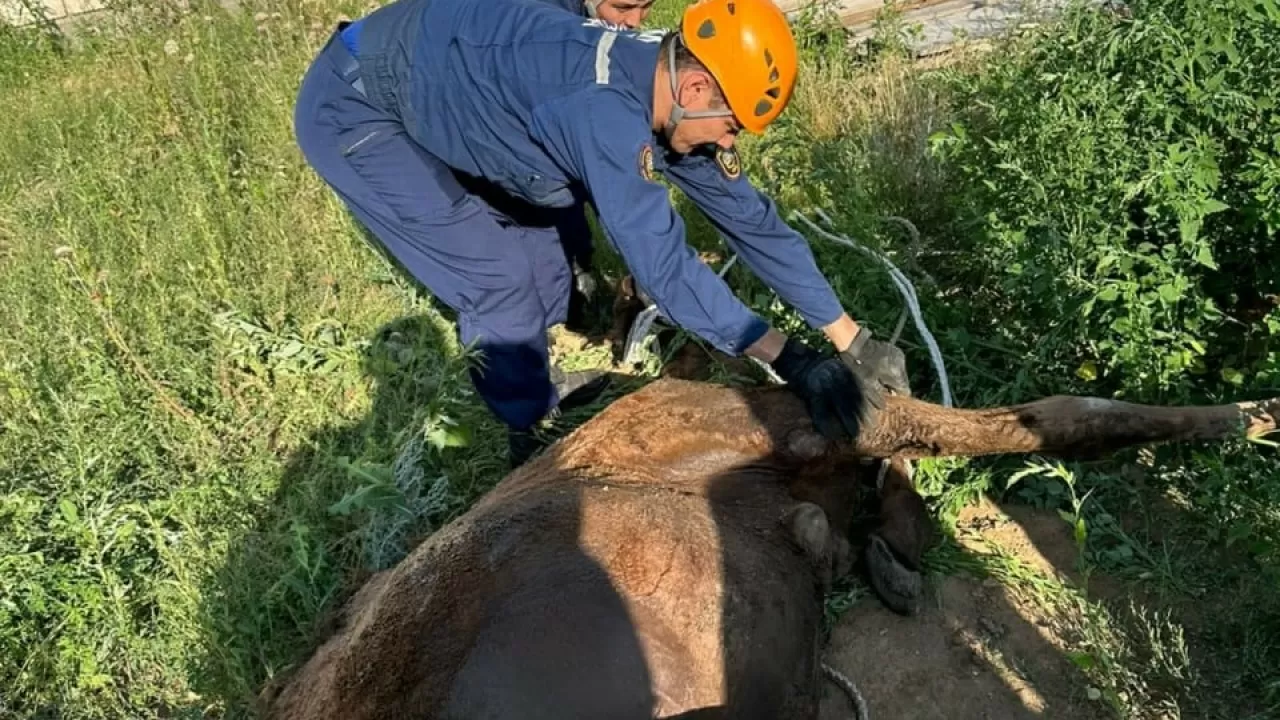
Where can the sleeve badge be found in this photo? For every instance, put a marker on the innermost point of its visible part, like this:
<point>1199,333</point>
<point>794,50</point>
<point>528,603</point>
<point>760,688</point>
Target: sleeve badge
<point>646,163</point>
<point>729,162</point>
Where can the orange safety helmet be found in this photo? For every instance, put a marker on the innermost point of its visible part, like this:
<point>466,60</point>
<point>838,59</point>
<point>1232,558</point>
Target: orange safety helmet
<point>747,46</point>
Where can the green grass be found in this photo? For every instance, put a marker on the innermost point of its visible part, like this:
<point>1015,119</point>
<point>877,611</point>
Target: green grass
<point>202,360</point>
<point>219,409</point>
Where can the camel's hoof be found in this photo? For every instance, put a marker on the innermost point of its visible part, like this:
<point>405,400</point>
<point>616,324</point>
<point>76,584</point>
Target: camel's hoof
<point>897,586</point>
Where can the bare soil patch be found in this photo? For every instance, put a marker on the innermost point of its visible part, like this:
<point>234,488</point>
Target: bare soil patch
<point>978,649</point>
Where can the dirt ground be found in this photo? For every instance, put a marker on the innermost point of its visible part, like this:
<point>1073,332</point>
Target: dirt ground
<point>976,651</point>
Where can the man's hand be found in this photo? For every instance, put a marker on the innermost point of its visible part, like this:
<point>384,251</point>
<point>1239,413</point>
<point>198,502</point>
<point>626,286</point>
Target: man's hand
<point>877,363</point>
<point>840,403</point>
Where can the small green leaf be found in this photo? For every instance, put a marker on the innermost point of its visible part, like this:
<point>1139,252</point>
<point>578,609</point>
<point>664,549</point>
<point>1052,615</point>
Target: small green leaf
<point>377,496</point>
<point>1168,293</point>
<point>1109,294</point>
<point>1213,205</point>
<point>1205,257</point>
<point>291,348</point>
<point>1088,371</point>
<point>448,436</point>
<point>1237,532</point>
<point>1082,660</point>
<point>126,531</point>
<point>1189,230</point>
<point>95,681</point>
<point>69,512</point>
<point>1081,531</point>
<point>1017,476</point>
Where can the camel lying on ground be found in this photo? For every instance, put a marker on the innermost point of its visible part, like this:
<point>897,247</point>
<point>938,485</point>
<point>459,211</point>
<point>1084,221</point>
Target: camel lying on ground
<point>668,558</point>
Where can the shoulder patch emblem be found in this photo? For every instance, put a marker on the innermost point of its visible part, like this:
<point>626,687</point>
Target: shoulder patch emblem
<point>729,162</point>
<point>646,162</point>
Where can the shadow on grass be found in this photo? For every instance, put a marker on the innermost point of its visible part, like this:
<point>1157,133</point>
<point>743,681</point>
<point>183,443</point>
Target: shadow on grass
<point>351,500</point>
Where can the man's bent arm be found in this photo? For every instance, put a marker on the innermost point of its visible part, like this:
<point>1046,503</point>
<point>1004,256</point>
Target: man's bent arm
<point>751,225</point>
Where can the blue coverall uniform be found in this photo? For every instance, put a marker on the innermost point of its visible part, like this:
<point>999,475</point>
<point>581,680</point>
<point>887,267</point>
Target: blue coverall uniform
<point>456,130</point>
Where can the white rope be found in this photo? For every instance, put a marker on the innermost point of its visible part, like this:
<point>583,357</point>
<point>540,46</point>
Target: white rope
<point>904,287</point>
<point>900,281</point>
<point>855,697</point>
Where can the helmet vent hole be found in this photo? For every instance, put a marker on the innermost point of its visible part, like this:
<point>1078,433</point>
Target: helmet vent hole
<point>707,30</point>
<point>773,92</point>
<point>763,107</point>
<point>768,58</point>
<point>731,8</point>
<point>773,78</point>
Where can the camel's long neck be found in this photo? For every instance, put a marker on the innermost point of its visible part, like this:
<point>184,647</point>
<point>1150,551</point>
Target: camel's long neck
<point>1060,425</point>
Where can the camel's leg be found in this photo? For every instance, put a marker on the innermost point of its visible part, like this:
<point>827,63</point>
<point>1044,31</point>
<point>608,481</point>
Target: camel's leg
<point>827,549</point>
<point>895,547</point>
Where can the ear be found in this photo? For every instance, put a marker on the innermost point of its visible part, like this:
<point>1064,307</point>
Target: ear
<point>696,89</point>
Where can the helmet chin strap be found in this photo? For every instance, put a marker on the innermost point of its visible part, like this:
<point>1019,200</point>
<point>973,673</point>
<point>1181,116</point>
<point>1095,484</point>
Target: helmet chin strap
<point>593,8</point>
<point>678,112</point>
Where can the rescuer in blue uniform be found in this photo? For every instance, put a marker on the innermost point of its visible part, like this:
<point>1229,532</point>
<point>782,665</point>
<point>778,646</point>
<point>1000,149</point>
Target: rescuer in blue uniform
<point>456,130</point>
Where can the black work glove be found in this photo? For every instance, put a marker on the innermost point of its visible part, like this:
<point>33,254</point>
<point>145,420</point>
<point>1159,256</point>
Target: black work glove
<point>877,364</point>
<point>839,402</point>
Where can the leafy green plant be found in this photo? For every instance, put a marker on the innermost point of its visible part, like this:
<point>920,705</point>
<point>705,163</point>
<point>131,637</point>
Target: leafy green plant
<point>1119,177</point>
